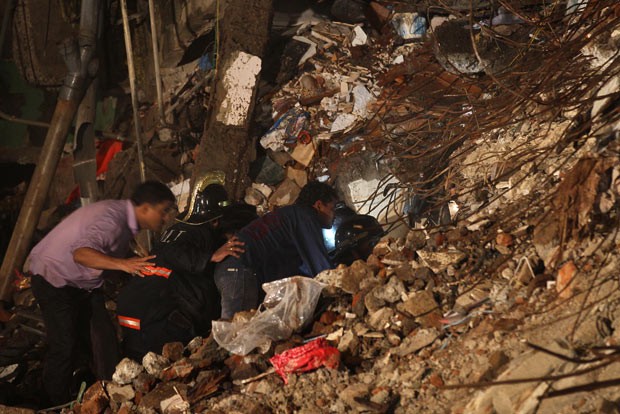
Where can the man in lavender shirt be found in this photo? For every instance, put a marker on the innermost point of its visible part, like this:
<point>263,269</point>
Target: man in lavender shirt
<point>68,267</point>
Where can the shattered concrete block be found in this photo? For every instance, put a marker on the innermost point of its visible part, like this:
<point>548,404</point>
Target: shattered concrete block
<point>126,371</point>
<point>285,194</point>
<point>405,273</point>
<point>333,277</point>
<point>424,274</point>
<point>392,291</point>
<point>174,405</point>
<point>382,248</point>
<point>349,342</point>
<point>416,341</point>
<point>380,319</point>
<point>354,394</point>
<point>264,387</point>
<point>120,394</point>
<point>241,367</point>
<point>154,363</point>
<point>195,344</point>
<point>422,305</point>
<point>415,239</point>
<point>173,351</point>
<point>151,402</point>
<point>372,302</point>
<point>357,273</point>
<point>144,383</point>
<point>180,369</point>
<point>95,399</point>
<point>439,261</point>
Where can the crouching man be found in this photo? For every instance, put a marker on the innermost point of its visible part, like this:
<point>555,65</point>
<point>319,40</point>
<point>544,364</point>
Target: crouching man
<point>177,299</point>
<point>68,267</point>
<point>286,242</point>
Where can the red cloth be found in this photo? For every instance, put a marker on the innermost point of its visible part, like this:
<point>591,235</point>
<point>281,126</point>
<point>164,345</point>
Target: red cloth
<point>304,358</point>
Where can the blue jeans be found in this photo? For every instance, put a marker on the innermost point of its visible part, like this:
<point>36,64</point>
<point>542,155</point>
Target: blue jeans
<point>238,286</point>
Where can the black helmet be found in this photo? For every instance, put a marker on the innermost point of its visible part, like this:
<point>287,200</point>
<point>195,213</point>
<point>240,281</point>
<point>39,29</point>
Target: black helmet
<point>356,237</point>
<point>342,212</point>
<point>208,199</point>
<point>209,202</point>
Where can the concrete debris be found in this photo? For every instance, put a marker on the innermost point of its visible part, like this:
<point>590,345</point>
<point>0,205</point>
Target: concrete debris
<point>153,363</point>
<point>496,288</point>
<point>126,371</point>
<point>439,261</point>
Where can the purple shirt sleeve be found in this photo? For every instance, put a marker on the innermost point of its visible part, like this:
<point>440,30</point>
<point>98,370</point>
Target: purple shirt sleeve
<point>106,226</point>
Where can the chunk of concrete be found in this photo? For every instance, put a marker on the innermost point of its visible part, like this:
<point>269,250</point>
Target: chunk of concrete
<point>416,341</point>
<point>126,371</point>
<point>154,363</point>
<point>439,261</point>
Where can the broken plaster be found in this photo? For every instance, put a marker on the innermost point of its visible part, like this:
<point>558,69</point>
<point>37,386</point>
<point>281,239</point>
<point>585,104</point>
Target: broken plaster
<point>239,81</point>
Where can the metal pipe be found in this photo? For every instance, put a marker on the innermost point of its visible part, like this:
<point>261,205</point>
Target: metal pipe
<point>11,118</point>
<point>160,96</point>
<point>70,95</point>
<point>32,206</point>
<point>85,153</point>
<point>134,102</point>
<point>132,86</point>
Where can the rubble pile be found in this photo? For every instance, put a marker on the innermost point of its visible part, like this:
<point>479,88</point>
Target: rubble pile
<point>511,305</point>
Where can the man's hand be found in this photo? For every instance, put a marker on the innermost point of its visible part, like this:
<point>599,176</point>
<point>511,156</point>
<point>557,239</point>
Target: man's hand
<point>92,258</point>
<point>231,248</point>
<point>135,265</point>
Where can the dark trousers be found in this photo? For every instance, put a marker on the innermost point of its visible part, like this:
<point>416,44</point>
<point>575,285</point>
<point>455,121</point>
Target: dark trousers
<point>79,331</point>
<point>153,335</point>
<point>238,286</point>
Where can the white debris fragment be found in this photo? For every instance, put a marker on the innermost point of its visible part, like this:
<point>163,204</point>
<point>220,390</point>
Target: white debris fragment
<point>343,122</point>
<point>361,99</point>
<point>240,78</point>
<point>311,50</point>
<point>359,37</point>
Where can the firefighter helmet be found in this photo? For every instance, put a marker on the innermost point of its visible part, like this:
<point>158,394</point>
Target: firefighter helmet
<point>208,199</point>
<point>356,237</point>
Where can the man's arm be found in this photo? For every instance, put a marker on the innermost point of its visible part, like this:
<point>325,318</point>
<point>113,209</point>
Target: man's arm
<point>90,257</point>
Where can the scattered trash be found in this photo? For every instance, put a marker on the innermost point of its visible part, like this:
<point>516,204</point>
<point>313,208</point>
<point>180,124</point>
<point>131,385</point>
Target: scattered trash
<point>409,25</point>
<point>287,130</point>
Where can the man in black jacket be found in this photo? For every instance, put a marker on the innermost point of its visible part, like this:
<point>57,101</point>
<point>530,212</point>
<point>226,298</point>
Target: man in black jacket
<point>177,298</point>
<point>286,242</point>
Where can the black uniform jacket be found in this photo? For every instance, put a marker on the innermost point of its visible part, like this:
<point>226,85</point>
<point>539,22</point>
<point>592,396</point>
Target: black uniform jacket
<point>181,280</point>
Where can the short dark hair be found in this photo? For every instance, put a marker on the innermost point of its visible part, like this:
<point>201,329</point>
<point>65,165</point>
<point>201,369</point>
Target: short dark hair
<point>152,192</point>
<point>314,191</point>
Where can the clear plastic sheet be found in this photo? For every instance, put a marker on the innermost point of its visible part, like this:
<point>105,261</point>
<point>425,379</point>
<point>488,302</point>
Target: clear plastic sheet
<point>288,306</point>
